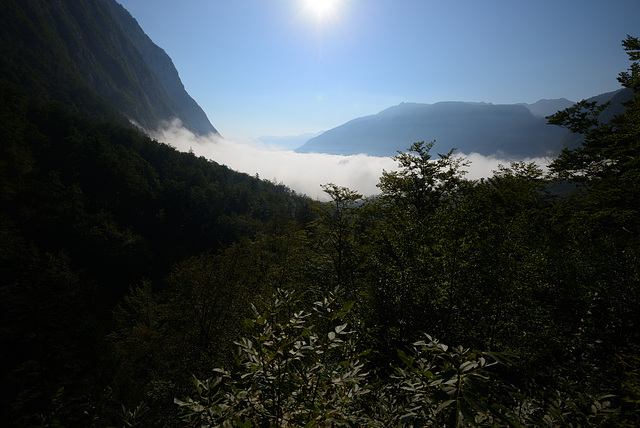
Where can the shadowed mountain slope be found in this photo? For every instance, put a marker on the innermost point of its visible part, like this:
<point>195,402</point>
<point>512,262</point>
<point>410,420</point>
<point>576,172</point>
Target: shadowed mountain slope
<point>63,49</point>
<point>511,130</point>
<point>615,107</point>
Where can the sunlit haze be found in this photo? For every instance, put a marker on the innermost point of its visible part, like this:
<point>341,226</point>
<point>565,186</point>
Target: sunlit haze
<point>289,67</point>
<point>266,67</point>
<point>304,172</point>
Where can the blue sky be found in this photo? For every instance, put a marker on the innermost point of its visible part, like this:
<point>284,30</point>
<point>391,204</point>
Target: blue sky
<point>274,67</point>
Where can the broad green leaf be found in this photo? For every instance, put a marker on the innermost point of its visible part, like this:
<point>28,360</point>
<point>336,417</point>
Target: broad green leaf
<point>444,405</point>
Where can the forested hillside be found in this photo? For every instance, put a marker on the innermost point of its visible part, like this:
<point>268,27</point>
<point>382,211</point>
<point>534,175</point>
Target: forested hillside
<point>441,302</point>
<point>450,302</point>
<point>90,207</point>
<point>89,53</point>
<point>88,210</point>
<point>141,286</point>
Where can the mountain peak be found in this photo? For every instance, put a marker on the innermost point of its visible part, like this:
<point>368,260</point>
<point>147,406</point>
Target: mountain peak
<point>185,108</point>
<point>86,53</point>
<point>484,128</point>
<point>545,107</point>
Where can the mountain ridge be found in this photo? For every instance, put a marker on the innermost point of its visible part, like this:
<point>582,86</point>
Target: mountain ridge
<point>545,107</point>
<point>162,65</point>
<point>615,107</point>
<point>396,127</point>
<point>511,131</point>
<point>92,55</point>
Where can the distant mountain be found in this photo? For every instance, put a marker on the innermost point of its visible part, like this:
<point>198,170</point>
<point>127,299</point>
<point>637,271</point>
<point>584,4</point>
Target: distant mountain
<point>289,142</point>
<point>509,130</point>
<point>79,51</point>
<point>544,108</point>
<point>615,99</point>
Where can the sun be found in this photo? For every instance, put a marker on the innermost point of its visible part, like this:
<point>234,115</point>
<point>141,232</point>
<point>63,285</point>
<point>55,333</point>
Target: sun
<point>321,8</point>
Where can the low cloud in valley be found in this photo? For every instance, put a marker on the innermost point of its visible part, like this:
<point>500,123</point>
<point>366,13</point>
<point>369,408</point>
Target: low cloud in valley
<point>304,172</point>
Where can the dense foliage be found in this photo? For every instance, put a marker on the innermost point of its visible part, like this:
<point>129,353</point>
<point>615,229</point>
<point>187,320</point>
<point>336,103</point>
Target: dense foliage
<point>537,293</point>
<point>146,287</point>
<point>88,210</point>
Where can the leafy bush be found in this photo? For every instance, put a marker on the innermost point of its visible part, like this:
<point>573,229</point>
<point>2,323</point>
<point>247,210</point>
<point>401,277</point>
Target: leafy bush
<point>296,368</point>
<point>303,368</point>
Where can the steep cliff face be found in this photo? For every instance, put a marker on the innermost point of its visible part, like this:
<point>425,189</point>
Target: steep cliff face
<point>194,117</point>
<point>99,45</point>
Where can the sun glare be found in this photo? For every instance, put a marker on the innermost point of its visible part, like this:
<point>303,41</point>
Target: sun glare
<point>321,8</point>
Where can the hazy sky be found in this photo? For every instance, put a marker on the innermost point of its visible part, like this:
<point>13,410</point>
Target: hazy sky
<point>275,67</point>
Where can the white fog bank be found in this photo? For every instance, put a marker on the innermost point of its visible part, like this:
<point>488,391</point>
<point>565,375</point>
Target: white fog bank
<point>305,172</point>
